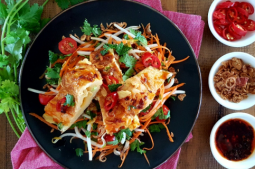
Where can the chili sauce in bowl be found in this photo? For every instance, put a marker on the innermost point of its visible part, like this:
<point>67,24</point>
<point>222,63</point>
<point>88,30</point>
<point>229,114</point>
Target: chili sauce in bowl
<point>232,141</point>
<point>235,139</point>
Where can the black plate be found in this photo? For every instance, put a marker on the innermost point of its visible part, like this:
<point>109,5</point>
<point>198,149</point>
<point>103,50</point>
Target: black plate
<point>183,114</point>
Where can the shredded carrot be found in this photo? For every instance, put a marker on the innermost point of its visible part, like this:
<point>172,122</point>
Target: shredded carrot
<point>59,61</point>
<point>152,142</point>
<point>168,133</point>
<point>110,40</point>
<point>84,44</point>
<point>108,147</point>
<point>65,65</point>
<point>75,61</point>
<point>126,153</point>
<point>139,66</point>
<point>79,120</point>
<point>179,61</point>
<point>94,152</point>
<point>112,31</point>
<point>153,111</point>
<point>44,121</point>
<point>136,134</point>
<point>171,88</point>
<point>87,49</point>
<point>50,93</point>
<point>145,156</point>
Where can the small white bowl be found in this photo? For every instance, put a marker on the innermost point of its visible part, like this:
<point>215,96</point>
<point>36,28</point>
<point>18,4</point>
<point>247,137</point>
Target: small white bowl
<point>248,39</point>
<point>244,104</point>
<point>244,164</point>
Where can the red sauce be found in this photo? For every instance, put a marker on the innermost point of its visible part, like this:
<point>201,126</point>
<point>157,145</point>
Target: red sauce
<point>235,139</point>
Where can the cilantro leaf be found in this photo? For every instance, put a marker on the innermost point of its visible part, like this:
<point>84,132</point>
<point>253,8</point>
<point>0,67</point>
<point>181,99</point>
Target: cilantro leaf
<point>88,133</point>
<point>63,4</point>
<point>94,133</point>
<point>30,20</point>
<point>122,49</point>
<point>128,73</point>
<point>88,30</point>
<point>96,31</point>
<point>79,152</point>
<point>69,100</point>
<point>146,109</point>
<point>79,124</point>
<point>106,48</point>
<point>172,97</point>
<point>60,126</point>
<point>156,127</point>
<point>128,60</point>
<point>168,80</point>
<point>74,2</point>
<point>53,57</point>
<point>136,145</point>
<point>141,39</point>
<point>52,73</point>
<point>126,37</point>
<point>94,127</point>
<point>130,107</point>
<point>160,114</point>
<point>138,36</point>
<point>115,142</point>
<point>114,87</point>
<point>3,61</point>
<point>91,114</point>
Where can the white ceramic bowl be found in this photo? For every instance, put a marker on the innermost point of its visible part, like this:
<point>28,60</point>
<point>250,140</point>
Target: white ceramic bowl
<point>244,164</point>
<point>244,104</point>
<point>244,41</point>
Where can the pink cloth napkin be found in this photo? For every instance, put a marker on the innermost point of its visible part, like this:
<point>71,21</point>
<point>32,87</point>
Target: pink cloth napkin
<point>27,154</point>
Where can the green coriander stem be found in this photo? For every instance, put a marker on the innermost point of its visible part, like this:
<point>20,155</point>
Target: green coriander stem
<point>5,24</point>
<point>15,72</point>
<point>3,32</point>
<point>21,120</point>
<point>9,120</point>
<point>45,3</point>
<point>15,119</point>
<point>12,16</point>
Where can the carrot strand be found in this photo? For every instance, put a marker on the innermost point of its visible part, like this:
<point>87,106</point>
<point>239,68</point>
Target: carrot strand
<point>179,61</point>
<point>44,121</point>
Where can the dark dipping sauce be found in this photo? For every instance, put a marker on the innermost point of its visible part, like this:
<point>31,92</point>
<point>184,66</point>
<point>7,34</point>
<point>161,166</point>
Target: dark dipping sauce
<point>235,139</point>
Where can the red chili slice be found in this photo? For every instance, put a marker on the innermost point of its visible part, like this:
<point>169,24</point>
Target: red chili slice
<point>250,25</point>
<point>218,29</point>
<point>231,14</point>
<point>247,7</point>
<point>240,19</point>
<point>60,107</point>
<point>236,4</point>
<point>233,33</point>
<point>228,36</point>
<point>112,79</point>
<point>110,101</point>
<point>67,46</point>
<point>238,29</point>
<point>227,4</point>
<point>222,22</point>
<point>150,60</point>
<point>218,15</point>
<point>242,11</point>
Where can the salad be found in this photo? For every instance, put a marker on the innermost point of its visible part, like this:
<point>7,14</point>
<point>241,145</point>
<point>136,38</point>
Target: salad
<point>108,88</point>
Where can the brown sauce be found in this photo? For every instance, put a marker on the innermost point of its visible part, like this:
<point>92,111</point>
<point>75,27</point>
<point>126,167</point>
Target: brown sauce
<point>235,139</point>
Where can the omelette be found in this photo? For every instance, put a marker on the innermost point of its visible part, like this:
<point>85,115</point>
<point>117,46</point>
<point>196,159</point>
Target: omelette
<point>82,82</point>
